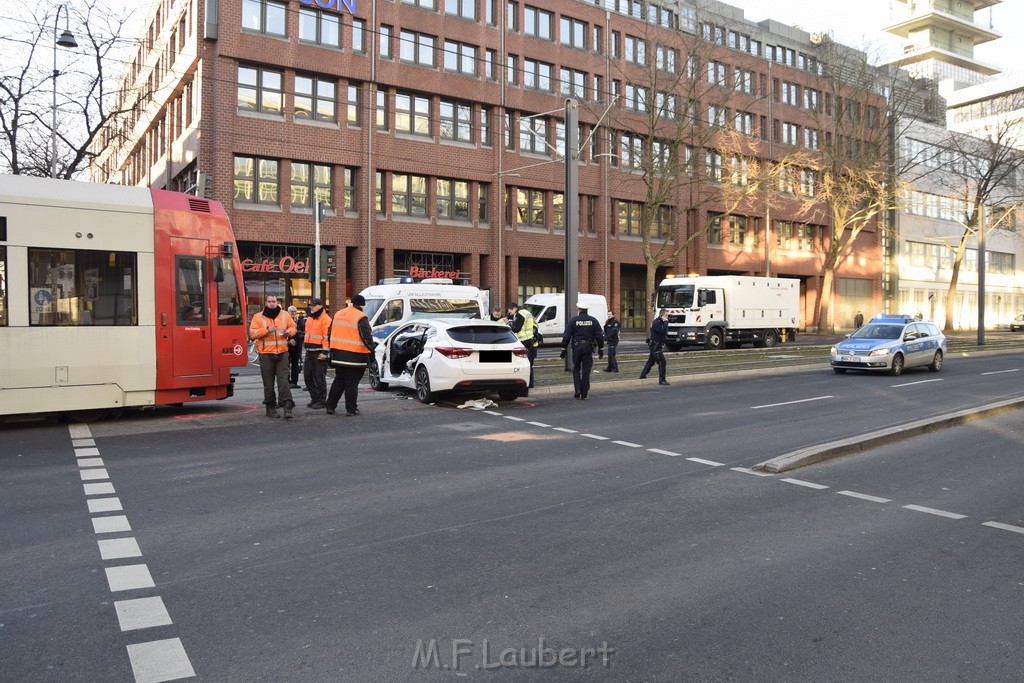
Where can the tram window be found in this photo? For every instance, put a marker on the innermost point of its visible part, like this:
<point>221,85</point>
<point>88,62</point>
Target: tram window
<point>191,290</point>
<point>82,288</point>
<point>229,304</point>
<point>3,286</point>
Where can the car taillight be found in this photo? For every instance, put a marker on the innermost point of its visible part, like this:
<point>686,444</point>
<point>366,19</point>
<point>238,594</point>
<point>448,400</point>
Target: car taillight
<point>454,352</point>
<point>521,351</point>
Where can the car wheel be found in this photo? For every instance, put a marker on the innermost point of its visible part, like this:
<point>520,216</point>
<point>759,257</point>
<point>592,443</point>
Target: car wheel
<point>770,339</point>
<point>897,365</point>
<point>714,339</point>
<point>839,371</point>
<point>509,394</point>
<point>375,382</point>
<point>423,393</point>
<point>936,362</point>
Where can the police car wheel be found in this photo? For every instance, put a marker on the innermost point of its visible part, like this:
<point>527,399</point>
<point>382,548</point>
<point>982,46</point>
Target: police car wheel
<point>936,362</point>
<point>423,393</point>
<point>508,394</point>
<point>839,371</point>
<point>897,365</point>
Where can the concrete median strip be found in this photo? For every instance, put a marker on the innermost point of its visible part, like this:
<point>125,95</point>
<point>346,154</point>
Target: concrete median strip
<point>863,442</point>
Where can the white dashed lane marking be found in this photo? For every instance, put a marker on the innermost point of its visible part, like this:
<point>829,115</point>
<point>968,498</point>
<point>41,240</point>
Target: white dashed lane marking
<point>864,496</point>
<point>595,436</point>
<point>90,475</point>
<point>142,613</point>
<point>808,484</point>
<point>160,660</point>
<point>513,418</point>
<point>1004,527</point>
<point>747,470</point>
<point>85,452</point>
<point>712,463</point>
<point>78,443</point>
<point>566,430</point>
<point>933,511</point>
<point>119,548</point>
<point>789,403</point>
<point>129,577</point>
<point>538,424</point>
<point>999,372</point>
<point>110,525</point>
<point>629,444</point>
<point>98,489</point>
<point>661,452</point>
<point>920,381</point>
<point>104,504</point>
<point>90,462</point>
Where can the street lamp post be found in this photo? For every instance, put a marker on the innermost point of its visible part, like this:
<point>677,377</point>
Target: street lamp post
<point>66,39</point>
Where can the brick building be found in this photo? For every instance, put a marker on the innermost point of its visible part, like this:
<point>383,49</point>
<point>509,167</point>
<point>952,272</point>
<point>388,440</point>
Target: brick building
<point>433,130</point>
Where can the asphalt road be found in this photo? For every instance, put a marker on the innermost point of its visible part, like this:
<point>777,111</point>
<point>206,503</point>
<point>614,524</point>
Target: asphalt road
<point>328,548</point>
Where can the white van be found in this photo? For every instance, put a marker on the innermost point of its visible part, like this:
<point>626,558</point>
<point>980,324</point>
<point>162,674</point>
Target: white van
<point>395,300</point>
<point>549,312</point>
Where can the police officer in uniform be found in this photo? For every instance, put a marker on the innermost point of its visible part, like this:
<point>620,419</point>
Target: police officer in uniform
<point>611,337</point>
<point>582,334</point>
<point>524,326</point>
<point>656,343</point>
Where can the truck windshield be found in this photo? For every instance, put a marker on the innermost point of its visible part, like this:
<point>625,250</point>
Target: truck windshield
<point>371,307</point>
<point>444,308</point>
<point>675,297</point>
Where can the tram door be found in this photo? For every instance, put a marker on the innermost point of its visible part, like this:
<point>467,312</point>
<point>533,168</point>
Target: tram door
<point>192,337</point>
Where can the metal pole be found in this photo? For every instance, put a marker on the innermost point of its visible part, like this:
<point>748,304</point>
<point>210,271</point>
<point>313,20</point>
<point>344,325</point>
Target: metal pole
<point>53,126</point>
<point>317,213</point>
<point>572,183</point>
<point>981,275</point>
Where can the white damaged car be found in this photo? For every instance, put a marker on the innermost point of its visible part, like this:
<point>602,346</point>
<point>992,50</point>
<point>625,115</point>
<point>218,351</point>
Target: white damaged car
<point>451,355</point>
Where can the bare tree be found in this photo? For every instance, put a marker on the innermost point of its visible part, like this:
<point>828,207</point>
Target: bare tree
<point>85,80</point>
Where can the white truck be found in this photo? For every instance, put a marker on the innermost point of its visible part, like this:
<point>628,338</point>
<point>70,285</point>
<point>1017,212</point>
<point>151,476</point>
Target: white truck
<point>549,312</point>
<point>395,300</point>
<point>716,310</point>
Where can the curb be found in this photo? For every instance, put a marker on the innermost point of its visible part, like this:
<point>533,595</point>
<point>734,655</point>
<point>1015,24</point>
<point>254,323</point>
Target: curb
<point>835,449</point>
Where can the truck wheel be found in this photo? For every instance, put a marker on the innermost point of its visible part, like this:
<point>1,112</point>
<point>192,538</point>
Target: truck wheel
<point>770,339</point>
<point>714,340</point>
<point>673,346</point>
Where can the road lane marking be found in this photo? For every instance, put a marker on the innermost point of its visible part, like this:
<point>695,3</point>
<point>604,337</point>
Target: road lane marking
<point>661,452</point>
<point>566,430</point>
<point>89,475</point>
<point>142,613</point>
<point>110,525</point>
<point>538,424</point>
<point>491,412</point>
<point>1004,527</point>
<point>119,548</point>
<point>595,436</point>
<point>90,462</point>
<point>747,470</point>
<point>79,431</point>
<point>920,381</point>
<point>789,403</point>
<point>86,452</point>
<point>514,418</point>
<point>801,482</point>
<point>933,511</point>
<point>129,577</point>
<point>160,660</point>
<point>702,461</point>
<point>104,504</point>
<point>999,372</point>
<point>78,443</point>
<point>864,496</point>
<point>97,489</point>
<point>630,444</point>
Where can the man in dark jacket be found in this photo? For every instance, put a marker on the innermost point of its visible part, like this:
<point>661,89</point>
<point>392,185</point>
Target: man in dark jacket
<point>611,337</point>
<point>352,346</point>
<point>656,343</point>
<point>582,334</point>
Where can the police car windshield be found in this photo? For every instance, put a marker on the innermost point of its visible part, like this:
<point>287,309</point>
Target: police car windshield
<point>371,307</point>
<point>675,297</point>
<point>444,308</point>
<point>878,331</point>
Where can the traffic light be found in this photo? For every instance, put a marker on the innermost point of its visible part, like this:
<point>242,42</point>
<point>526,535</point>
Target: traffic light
<point>311,268</point>
<point>204,185</point>
<point>327,264</point>
<point>321,211</point>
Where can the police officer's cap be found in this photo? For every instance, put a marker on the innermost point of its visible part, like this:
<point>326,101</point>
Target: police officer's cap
<point>582,306</point>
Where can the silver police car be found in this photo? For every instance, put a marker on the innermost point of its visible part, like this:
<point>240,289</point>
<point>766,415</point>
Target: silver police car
<point>890,343</point>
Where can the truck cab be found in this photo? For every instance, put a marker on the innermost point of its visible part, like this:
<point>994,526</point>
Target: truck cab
<point>395,300</point>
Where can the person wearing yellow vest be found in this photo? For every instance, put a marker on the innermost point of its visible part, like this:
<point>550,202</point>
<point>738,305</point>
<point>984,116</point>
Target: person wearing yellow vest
<point>524,326</point>
<point>351,344</point>
<point>271,329</point>
<point>314,366</point>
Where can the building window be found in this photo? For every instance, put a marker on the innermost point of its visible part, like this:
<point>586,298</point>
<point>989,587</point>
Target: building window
<point>537,22</point>
<point>384,44</point>
<point>382,110</point>
<point>533,135</point>
<point>630,218</point>
<point>511,71</point>
<point>790,93</point>
<point>743,122</point>
<point>412,114</point>
<point>513,16</point>
<point>716,73</point>
<point>739,168</point>
<point>353,109</point>
<point>465,9</point>
<point>408,195</point>
<point>314,99</point>
<point>631,149</point>
<point>713,165</point>
<point>664,222</point>
<point>666,105</point>
<point>573,83</point>
<point>378,191</point>
<point>485,125</point>
<point>791,133</point>
<point>482,193</point>
<point>256,181</point>
<point>743,81</point>
<point>456,120</point>
<point>666,59</point>
<point>717,116</point>
<point>265,16</point>
<point>311,183</point>
<point>490,58</point>
<point>537,75</point>
<point>260,90</point>
<point>572,32</point>
<point>350,189</point>
<point>530,207</point>
<point>417,48</point>
<point>460,58</point>
<point>636,50</point>
<point>321,28</point>
<point>358,33</point>
<point>453,199</point>
<point>423,4</point>
<point>636,98</point>
<point>558,210</point>
<point>811,98</point>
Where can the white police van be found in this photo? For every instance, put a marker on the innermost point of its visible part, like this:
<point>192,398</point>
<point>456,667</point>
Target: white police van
<point>396,300</point>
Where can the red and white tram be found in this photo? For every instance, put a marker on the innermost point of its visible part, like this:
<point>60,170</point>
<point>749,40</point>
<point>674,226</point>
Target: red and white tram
<point>114,297</point>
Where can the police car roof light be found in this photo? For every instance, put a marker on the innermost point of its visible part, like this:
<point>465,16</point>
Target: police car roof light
<point>435,281</point>
<point>892,318</point>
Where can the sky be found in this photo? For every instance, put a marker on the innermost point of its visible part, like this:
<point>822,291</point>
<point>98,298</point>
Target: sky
<point>859,23</point>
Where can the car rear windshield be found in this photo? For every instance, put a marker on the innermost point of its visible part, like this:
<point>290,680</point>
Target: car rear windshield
<point>444,308</point>
<point>482,334</point>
